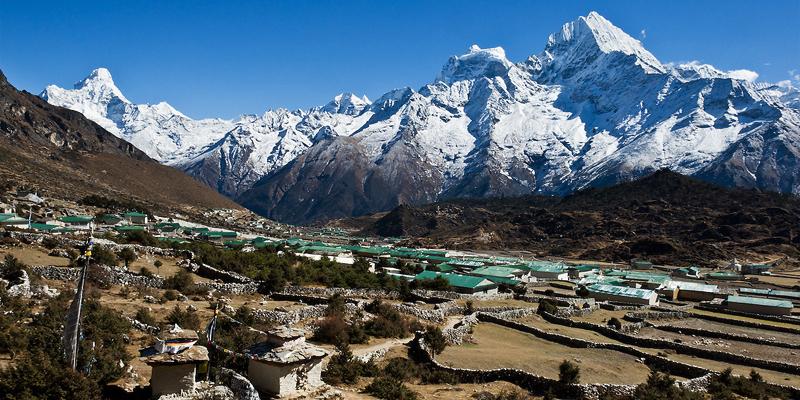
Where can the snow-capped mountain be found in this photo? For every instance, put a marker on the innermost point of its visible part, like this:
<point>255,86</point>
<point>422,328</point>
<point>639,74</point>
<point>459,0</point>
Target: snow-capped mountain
<point>157,129</point>
<point>592,108</point>
<point>228,155</point>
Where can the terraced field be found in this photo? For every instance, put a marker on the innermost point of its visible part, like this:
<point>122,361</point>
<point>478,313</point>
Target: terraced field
<point>500,347</point>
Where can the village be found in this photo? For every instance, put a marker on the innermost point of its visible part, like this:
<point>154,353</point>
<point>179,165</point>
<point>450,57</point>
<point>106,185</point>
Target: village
<point>206,323</point>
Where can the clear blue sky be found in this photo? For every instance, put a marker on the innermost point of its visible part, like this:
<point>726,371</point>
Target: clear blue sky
<point>227,58</point>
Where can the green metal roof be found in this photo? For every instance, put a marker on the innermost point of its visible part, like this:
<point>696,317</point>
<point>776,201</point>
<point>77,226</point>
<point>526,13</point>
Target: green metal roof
<point>623,291</point>
<point>760,301</point>
<point>692,286</point>
<point>133,214</point>
<point>129,228</point>
<point>219,234</point>
<point>771,292</point>
<point>544,266</point>
<point>724,275</point>
<point>320,249</point>
<point>43,227</point>
<point>466,263</point>
<point>455,280</point>
<point>445,267</point>
<point>76,219</point>
<point>495,271</point>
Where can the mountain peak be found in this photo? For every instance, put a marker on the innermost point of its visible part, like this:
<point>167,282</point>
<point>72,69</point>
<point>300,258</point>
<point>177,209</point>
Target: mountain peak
<point>100,81</point>
<point>477,63</point>
<point>579,40</point>
<point>347,103</point>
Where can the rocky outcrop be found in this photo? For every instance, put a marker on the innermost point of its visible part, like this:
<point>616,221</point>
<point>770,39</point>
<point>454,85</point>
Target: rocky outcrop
<point>241,387</point>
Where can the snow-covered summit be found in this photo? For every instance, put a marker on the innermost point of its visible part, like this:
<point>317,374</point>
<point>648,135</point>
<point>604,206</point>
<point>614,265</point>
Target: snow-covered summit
<point>475,64</point>
<point>347,103</point>
<point>591,42</point>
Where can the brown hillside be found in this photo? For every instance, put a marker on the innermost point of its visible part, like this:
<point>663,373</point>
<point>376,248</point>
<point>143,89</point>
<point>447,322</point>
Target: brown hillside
<point>666,217</point>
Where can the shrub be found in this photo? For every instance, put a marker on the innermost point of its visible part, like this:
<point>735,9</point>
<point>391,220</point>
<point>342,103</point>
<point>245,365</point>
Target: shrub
<point>37,376</point>
<point>568,373</point>
<point>144,316</point>
<point>181,281</point>
<point>146,272</point>
<point>469,308</point>
<point>435,339</point>
<point>546,306</point>
<point>662,387</point>
<point>104,256</point>
<point>127,256</point>
<point>185,319</point>
<point>170,295</point>
<point>390,389</point>
<point>582,291</point>
<point>343,368</point>
<point>615,323</point>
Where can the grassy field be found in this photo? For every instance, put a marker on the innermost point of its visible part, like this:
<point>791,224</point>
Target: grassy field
<point>698,323</point>
<point>34,256</point>
<point>734,318</point>
<point>578,333</point>
<point>768,375</point>
<point>498,347</point>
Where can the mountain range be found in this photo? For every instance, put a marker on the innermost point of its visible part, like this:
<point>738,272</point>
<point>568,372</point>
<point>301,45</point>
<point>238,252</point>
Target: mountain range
<point>593,108</point>
<point>60,153</point>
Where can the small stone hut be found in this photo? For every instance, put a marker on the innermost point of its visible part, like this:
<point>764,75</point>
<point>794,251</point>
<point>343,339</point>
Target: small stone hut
<point>285,365</point>
<point>174,360</point>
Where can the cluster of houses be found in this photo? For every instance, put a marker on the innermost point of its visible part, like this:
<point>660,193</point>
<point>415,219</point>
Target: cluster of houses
<point>283,365</point>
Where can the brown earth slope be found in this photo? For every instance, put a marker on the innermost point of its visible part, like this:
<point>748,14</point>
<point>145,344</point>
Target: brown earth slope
<point>665,217</point>
<point>62,154</point>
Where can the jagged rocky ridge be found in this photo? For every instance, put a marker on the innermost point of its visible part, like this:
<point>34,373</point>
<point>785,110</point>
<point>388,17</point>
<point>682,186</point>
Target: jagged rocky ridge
<point>592,109</point>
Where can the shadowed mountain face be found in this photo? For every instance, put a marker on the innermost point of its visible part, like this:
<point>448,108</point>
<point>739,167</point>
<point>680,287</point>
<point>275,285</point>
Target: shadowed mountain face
<point>666,217</point>
<point>62,153</point>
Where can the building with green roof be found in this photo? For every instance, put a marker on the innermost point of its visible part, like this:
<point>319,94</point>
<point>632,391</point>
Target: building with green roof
<point>78,221</point>
<point>462,283</point>
<point>689,290</point>
<point>129,228</point>
<point>167,226</point>
<point>42,227</point>
<point>545,270</point>
<point>623,294</point>
<point>724,276</point>
<point>501,274</point>
<point>787,294</point>
<point>217,236</point>
<point>759,305</point>
<point>135,217</point>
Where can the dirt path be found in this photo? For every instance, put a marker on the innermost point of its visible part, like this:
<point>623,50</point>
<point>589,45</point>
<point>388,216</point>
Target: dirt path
<point>382,346</point>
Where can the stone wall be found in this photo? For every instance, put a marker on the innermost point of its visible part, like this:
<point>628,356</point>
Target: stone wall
<point>207,271</point>
<point>725,335</point>
<point>679,347</point>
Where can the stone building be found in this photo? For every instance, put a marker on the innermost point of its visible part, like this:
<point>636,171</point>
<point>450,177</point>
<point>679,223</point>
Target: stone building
<point>285,365</point>
<point>174,361</point>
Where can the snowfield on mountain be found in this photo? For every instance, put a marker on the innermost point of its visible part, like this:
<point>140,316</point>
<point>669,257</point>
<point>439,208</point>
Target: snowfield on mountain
<point>593,108</point>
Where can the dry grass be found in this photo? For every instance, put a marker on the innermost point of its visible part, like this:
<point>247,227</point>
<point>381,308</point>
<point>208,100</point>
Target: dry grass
<point>538,322</point>
<point>733,318</point>
<point>768,375</point>
<point>602,316</point>
<point>34,256</point>
<point>499,347</point>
